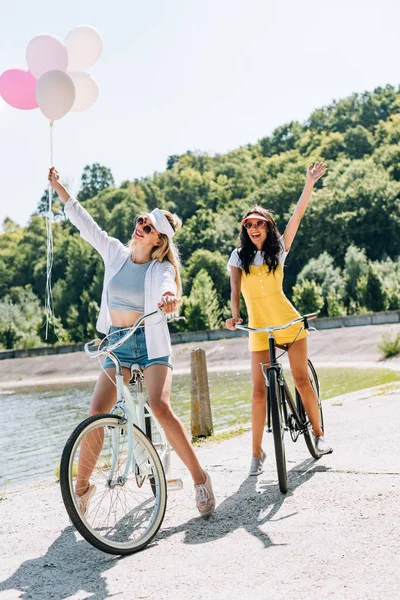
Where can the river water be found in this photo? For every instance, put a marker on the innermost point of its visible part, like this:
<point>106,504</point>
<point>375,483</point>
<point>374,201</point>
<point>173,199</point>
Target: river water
<point>35,423</point>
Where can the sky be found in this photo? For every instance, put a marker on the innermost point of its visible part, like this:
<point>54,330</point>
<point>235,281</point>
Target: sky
<point>178,75</point>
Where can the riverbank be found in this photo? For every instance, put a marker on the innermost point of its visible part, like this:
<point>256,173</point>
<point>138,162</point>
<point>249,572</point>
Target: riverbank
<point>354,346</point>
<point>334,534</point>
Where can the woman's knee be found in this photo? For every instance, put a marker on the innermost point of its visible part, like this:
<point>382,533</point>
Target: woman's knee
<point>259,395</point>
<point>301,381</point>
<point>100,406</point>
<point>161,409</point>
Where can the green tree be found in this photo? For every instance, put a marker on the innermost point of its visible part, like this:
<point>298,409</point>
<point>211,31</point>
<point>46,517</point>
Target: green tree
<point>358,142</point>
<point>201,308</point>
<point>215,265</point>
<point>57,206</point>
<point>9,336</point>
<point>356,267</point>
<point>374,295</point>
<point>308,297</point>
<point>325,274</point>
<point>95,178</point>
<point>20,316</point>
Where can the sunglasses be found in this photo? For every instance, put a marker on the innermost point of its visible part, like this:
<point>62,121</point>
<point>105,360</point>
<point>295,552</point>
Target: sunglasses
<point>250,224</point>
<point>146,228</point>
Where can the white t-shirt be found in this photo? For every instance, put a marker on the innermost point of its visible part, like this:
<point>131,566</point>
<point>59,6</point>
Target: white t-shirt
<point>234,260</point>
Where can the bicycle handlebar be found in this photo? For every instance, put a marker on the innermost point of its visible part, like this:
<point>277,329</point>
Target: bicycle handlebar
<point>97,343</point>
<point>267,329</point>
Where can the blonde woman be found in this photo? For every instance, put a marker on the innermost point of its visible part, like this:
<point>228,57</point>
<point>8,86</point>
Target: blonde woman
<point>138,279</point>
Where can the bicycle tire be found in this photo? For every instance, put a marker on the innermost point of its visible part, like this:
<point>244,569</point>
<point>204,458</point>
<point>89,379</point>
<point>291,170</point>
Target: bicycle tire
<point>308,434</point>
<point>275,400</point>
<point>114,524</point>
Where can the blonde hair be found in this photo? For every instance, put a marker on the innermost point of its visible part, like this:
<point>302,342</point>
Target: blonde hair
<point>167,250</point>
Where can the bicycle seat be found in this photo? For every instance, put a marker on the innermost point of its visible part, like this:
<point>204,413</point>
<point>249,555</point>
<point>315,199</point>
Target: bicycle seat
<point>135,370</point>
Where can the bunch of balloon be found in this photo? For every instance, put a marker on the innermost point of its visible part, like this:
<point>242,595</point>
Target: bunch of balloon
<point>57,83</point>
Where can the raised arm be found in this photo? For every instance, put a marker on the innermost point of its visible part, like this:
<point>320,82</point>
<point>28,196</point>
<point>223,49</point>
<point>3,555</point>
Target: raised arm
<point>87,227</point>
<point>314,172</point>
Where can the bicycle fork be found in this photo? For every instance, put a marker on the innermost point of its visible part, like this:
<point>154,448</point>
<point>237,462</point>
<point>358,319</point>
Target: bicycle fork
<point>135,459</point>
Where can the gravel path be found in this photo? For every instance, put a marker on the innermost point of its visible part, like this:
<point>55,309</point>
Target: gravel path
<point>334,535</point>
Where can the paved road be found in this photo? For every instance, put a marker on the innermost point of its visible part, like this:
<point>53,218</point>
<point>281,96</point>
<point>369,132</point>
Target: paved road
<point>334,535</point>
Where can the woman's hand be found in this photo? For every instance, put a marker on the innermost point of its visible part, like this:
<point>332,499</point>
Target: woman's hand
<point>53,177</point>
<point>169,303</point>
<point>230,323</point>
<point>315,172</point>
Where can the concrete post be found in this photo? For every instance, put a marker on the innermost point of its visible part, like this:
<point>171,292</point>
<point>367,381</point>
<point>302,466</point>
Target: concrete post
<point>201,418</point>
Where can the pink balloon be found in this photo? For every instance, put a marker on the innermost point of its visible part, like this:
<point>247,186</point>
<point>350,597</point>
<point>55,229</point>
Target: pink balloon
<point>17,88</point>
<point>46,53</point>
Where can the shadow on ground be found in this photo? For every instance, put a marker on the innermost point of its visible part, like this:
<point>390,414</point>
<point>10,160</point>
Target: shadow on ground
<point>69,566</point>
<point>256,502</point>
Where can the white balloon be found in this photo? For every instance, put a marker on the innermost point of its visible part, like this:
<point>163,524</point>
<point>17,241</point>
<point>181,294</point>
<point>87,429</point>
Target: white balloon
<point>55,94</point>
<point>46,53</point>
<point>84,45</point>
<point>86,91</point>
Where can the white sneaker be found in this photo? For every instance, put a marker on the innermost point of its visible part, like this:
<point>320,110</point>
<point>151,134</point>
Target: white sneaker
<point>205,500</point>
<point>256,467</point>
<point>83,501</point>
<point>322,446</point>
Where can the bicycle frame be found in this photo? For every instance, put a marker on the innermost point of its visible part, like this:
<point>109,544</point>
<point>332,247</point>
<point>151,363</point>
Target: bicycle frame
<point>273,365</point>
<point>132,413</point>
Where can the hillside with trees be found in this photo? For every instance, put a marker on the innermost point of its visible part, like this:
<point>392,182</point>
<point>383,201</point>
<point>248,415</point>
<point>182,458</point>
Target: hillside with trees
<point>345,258</point>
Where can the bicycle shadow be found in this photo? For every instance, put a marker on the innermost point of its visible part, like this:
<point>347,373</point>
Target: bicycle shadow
<point>68,567</point>
<point>256,502</point>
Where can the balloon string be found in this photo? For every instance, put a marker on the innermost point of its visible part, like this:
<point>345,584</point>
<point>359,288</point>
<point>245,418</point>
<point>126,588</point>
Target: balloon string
<point>50,248</point>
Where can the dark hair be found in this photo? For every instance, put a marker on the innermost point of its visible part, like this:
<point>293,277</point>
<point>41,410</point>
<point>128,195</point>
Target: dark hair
<point>271,247</point>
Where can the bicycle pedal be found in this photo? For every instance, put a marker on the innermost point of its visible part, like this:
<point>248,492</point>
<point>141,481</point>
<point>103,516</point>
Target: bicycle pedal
<point>174,485</point>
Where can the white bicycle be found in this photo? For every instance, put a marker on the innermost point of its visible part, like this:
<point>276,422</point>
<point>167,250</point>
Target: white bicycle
<point>130,457</point>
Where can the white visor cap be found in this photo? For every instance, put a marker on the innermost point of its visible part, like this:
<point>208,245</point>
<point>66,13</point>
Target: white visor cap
<point>161,223</point>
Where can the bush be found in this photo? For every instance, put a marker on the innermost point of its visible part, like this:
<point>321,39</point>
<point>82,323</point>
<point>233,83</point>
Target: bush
<point>389,346</point>
<point>335,304</point>
<point>328,278</point>
<point>307,296</point>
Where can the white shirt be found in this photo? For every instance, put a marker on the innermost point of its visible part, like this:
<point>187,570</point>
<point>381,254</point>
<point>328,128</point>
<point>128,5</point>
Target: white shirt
<point>160,278</point>
<point>234,260</point>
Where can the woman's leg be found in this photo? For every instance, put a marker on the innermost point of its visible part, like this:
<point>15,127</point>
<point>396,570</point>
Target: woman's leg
<point>103,399</point>
<point>299,367</point>
<point>259,403</point>
<point>158,384</point>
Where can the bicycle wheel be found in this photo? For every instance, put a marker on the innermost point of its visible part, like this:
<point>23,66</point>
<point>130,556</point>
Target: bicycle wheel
<point>308,433</point>
<point>278,430</point>
<point>126,512</point>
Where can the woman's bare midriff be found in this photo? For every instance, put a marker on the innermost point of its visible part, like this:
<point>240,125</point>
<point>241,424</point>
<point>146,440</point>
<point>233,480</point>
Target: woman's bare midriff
<point>124,318</point>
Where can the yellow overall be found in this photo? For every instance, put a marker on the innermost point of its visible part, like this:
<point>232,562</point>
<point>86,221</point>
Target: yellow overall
<point>267,305</point>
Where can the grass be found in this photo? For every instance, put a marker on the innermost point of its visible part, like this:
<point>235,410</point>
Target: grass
<point>389,345</point>
<point>74,471</point>
<point>337,381</point>
<point>3,492</point>
<point>221,436</point>
<point>231,392</point>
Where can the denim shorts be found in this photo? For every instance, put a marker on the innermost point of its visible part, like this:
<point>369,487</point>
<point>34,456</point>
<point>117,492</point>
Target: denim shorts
<point>133,351</point>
